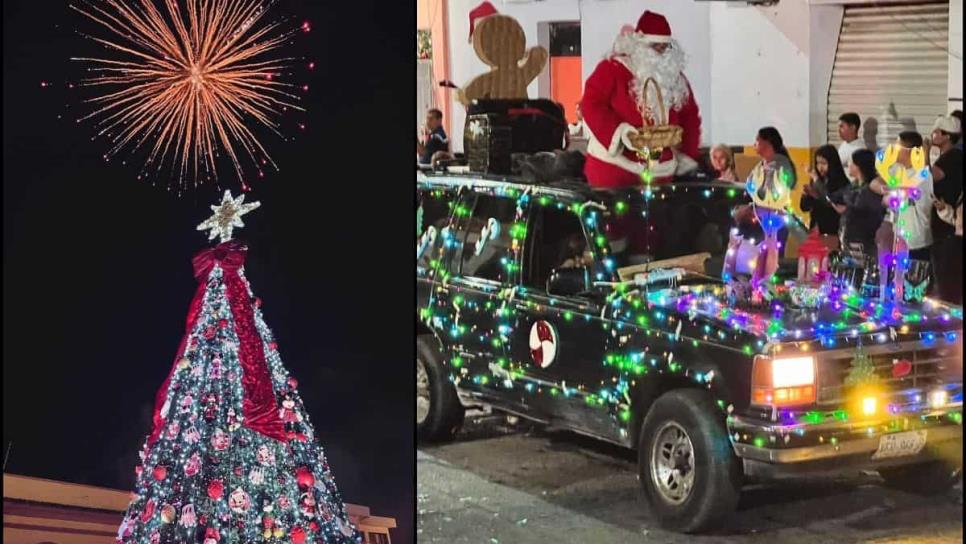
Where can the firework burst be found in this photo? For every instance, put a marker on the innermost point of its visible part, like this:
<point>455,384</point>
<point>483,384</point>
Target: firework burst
<point>190,83</point>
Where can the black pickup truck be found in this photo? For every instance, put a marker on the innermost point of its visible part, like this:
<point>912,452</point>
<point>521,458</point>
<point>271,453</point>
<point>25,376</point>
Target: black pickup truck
<point>527,304</point>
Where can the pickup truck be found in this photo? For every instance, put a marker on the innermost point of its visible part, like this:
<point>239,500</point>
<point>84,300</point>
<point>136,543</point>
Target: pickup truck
<point>528,303</point>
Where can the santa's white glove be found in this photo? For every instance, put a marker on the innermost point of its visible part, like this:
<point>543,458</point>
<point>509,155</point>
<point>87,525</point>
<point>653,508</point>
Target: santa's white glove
<point>621,137</point>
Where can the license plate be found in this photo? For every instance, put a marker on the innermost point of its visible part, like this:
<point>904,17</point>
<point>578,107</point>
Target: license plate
<point>900,444</point>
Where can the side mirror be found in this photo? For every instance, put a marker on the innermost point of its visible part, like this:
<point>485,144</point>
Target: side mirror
<point>568,281</point>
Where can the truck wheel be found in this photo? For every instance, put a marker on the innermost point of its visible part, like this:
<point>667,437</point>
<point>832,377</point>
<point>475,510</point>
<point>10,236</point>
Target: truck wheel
<point>930,478</point>
<point>689,473</point>
<point>439,413</point>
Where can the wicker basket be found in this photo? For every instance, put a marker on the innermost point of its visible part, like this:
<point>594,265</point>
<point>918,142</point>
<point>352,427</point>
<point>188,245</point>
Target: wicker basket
<point>660,135</point>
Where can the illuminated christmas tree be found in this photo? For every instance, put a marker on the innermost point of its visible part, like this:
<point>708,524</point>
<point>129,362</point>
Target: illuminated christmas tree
<point>232,457</point>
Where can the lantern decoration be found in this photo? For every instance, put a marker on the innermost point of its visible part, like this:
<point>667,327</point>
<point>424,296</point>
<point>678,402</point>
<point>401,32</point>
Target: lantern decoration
<point>903,183</point>
<point>812,259</point>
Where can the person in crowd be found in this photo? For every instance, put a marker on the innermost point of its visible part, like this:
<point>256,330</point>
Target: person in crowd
<point>611,107</point>
<point>952,248</point>
<point>958,114</point>
<point>770,184</point>
<point>947,175</point>
<point>849,124</point>
<point>434,138</point>
<point>827,178</point>
<point>723,163</point>
<point>860,206</point>
<point>916,239</point>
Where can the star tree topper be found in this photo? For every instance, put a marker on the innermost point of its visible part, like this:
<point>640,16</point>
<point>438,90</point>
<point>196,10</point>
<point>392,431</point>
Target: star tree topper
<point>227,216</point>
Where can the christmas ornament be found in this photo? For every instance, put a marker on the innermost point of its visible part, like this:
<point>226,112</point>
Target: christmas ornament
<point>283,502</point>
<point>239,502</point>
<point>173,431</point>
<point>257,476</point>
<point>183,363</point>
<point>227,216</point>
<point>324,511</point>
<point>220,440</point>
<point>297,534</point>
<point>287,412</point>
<point>192,435</point>
<point>304,477</point>
<point>211,536</point>
<point>148,511</point>
<point>264,456</point>
<point>188,518</point>
<point>155,537</point>
<point>308,505</point>
<point>168,513</point>
<point>160,472</point>
<point>216,489</point>
<point>901,368</point>
<point>193,465</point>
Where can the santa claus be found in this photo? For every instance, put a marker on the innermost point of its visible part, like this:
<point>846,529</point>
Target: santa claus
<point>616,104</point>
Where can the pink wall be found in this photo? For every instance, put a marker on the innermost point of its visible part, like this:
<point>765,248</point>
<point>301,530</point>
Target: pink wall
<point>432,15</point>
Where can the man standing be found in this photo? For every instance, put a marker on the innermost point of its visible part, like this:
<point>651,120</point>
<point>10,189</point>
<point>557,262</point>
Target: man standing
<point>947,174</point>
<point>616,104</point>
<point>434,138</point>
<point>849,124</point>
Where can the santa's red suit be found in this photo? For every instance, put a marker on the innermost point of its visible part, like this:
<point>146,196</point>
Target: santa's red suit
<point>612,108</point>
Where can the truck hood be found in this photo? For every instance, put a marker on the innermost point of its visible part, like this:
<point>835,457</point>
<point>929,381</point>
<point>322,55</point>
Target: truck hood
<point>848,315</point>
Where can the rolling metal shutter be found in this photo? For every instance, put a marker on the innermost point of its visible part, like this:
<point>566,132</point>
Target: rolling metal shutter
<point>891,67</point>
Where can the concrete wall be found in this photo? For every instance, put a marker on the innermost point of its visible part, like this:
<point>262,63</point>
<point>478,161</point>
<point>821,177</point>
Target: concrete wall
<point>955,91</point>
<point>601,21</point>
<point>772,66</point>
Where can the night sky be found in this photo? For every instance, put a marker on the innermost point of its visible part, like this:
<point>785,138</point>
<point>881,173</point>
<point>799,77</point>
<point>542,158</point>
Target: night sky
<point>97,265</point>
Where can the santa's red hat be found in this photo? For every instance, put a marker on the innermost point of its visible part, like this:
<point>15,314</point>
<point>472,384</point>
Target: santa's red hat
<point>483,10</point>
<point>654,27</point>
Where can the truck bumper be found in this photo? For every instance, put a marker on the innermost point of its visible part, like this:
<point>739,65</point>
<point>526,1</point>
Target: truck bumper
<point>770,451</point>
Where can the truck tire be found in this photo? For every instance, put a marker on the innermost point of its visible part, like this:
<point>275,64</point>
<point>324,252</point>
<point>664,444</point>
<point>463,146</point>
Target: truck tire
<point>439,414</point>
<point>930,478</point>
<point>690,476</point>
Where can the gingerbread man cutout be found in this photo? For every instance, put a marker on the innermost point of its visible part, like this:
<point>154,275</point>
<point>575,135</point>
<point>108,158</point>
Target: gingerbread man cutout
<point>500,43</point>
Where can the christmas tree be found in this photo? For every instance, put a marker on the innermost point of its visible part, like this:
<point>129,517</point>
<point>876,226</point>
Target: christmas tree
<point>232,457</point>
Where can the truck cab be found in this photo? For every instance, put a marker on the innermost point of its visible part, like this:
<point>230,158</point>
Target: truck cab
<point>529,303</point>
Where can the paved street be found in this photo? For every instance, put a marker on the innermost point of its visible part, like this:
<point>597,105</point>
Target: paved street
<point>520,484</point>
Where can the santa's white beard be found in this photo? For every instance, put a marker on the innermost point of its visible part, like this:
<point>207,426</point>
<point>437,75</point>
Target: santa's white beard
<point>637,55</point>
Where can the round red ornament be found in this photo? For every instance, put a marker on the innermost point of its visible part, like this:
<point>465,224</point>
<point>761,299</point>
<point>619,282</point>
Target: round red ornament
<point>160,472</point>
<point>304,477</point>
<point>297,534</point>
<point>216,489</point>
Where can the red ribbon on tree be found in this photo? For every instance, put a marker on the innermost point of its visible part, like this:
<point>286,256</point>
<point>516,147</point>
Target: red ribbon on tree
<point>258,406</point>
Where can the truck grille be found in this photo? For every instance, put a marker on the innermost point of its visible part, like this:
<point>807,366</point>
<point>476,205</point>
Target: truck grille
<point>930,366</point>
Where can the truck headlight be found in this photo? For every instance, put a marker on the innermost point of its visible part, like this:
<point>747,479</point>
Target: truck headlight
<point>785,381</point>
